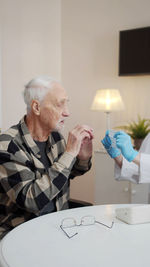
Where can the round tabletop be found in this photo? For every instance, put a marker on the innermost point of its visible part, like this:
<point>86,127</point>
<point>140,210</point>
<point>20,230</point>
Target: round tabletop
<point>42,243</point>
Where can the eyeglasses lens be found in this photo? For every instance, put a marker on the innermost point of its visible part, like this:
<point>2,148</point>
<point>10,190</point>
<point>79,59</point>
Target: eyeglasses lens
<point>87,220</point>
<point>70,222</point>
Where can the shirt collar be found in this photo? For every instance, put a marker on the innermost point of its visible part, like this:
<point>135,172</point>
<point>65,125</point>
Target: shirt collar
<point>28,138</point>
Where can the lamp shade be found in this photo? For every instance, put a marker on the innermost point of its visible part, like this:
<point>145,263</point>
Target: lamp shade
<point>107,100</point>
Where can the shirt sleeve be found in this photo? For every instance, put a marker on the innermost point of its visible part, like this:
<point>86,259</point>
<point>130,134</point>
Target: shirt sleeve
<point>144,168</point>
<point>80,167</point>
<point>131,171</point>
<point>128,172</point>
<point>31,189</point>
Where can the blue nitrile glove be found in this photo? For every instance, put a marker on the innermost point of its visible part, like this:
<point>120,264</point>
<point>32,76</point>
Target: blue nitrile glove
<point>112,151</point>
<point>123,141</point>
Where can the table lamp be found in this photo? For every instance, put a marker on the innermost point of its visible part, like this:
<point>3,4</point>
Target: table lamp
<point>107,100</point>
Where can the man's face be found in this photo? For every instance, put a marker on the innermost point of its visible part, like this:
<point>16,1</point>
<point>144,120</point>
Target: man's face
<point>54,108</point>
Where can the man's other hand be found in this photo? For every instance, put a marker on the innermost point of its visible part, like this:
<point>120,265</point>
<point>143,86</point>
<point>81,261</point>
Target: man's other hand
<point>79,142</point>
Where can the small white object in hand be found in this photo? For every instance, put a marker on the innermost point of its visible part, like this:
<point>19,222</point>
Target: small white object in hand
<point>112,138</point>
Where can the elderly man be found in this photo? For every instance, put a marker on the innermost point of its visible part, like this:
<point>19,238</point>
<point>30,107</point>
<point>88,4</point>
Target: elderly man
<point>35,162</point>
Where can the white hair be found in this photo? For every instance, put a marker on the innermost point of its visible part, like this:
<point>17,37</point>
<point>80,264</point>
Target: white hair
<point>37,88</point>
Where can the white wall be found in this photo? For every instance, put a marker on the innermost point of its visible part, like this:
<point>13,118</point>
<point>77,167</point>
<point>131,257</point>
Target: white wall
<point>90,44</point>
<point>31,46</point>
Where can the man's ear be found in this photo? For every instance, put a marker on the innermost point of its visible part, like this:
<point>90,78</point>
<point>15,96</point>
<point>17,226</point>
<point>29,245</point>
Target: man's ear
<point>35,106</point>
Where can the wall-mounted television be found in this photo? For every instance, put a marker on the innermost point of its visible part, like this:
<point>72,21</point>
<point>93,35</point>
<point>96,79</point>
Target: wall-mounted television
<point>134,51</point>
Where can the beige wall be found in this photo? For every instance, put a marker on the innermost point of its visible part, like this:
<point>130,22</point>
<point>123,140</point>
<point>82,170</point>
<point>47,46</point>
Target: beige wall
<point>90,43</point>
<point>31,46</point>
<point>76,40</point>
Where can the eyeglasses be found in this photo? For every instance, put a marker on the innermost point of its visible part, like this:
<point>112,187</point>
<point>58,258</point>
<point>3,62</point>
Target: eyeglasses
<point>85,221</point>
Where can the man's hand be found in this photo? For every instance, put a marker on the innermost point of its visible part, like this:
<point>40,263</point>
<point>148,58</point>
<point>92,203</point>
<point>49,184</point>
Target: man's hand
<point>86,146</point>
<point>79,142</point>
<point>86,149</point>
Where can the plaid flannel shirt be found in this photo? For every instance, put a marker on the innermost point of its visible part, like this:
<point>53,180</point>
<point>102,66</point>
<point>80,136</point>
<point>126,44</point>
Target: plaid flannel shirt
<point>26,187</point>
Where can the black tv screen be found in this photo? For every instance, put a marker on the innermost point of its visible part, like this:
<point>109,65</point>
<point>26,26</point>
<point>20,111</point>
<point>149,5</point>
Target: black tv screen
<point>134,51</point>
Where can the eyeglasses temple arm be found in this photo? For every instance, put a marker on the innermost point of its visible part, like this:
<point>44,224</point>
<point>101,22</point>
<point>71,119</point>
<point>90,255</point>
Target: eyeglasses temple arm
<point>105,224</point>
<point>66,232</point>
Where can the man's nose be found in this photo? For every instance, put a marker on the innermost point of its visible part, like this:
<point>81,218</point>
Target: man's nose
<point>66,112</point>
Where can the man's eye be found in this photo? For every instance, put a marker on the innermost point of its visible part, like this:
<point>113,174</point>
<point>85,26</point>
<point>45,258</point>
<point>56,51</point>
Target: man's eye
<point>60,105</point>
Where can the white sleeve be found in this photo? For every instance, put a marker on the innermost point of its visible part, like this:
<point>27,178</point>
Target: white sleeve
<point>128,172</point>
<point>144,168</point>
<point>132,172</point>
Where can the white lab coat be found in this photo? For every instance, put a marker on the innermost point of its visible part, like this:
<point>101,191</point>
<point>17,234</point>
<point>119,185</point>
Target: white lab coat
<point>132,172</point>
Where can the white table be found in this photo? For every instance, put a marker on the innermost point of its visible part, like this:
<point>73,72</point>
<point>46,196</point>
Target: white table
<point>41,243</point>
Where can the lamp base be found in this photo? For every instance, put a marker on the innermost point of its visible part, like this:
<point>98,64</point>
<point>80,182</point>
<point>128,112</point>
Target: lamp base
<point>107,120</point>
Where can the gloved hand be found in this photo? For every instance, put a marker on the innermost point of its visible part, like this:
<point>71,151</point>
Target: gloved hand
<point>123,141</point>
<point>112,151</point>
